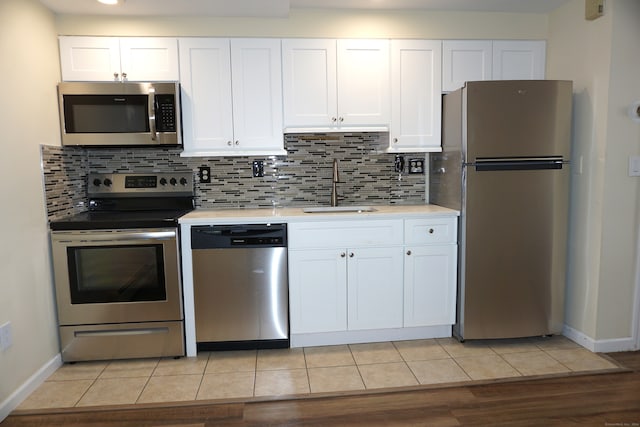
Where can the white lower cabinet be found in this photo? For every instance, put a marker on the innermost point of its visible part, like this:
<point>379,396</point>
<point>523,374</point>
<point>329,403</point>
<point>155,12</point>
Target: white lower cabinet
<point>371,276</point>
<point>343,275</point>
<point>317,290</point>
<point>430,271</point>
<point>345,289</point>
<point>374,288</point>
<point>429,285</point>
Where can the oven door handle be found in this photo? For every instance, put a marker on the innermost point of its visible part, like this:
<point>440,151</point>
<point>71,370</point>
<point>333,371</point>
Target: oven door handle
<point>118,332</point>
<point>119,236</point>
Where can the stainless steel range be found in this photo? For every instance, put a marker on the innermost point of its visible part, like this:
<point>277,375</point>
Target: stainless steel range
<point>117,268</point>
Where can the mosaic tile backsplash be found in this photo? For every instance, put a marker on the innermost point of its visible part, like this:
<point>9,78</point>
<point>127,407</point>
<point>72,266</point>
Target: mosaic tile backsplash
<point>301,178</point>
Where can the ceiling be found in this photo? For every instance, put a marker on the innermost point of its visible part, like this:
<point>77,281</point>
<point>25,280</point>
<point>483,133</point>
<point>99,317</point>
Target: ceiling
<point>281,8</point>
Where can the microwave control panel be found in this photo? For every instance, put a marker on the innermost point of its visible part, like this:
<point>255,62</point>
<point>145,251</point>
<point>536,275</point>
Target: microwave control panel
<point>165,113</point>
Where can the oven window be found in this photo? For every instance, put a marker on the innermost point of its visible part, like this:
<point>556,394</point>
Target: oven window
<point>106,114</point>
<point>116,274</point>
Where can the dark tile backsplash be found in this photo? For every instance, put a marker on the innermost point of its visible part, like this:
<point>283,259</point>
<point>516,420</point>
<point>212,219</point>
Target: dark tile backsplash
<point>303,177</point>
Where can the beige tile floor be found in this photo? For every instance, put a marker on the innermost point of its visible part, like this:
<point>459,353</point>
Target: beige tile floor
<point>257,373</point>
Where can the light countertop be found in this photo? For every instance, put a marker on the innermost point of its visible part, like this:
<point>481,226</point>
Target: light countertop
<point>203,216</point>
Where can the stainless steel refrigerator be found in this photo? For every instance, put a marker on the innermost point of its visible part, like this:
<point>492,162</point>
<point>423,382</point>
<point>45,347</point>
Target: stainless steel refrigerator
<point>505,166</point>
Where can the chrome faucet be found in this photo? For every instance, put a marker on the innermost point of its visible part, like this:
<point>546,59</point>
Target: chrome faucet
<point>336,180</point>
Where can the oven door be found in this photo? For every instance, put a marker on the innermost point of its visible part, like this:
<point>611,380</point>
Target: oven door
<point>117,276</point>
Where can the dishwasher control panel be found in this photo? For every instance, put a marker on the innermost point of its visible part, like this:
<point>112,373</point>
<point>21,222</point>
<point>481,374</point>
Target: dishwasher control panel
<point>238,236</point>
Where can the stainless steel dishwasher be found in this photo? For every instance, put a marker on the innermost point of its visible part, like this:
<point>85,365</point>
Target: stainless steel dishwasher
<point>240,285</point>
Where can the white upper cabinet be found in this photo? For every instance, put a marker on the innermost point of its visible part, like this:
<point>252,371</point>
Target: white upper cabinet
<point>472,60</point>
<point>207,116</point>
<point>518,60</point>
<point>231,97</point>
<point>363,82</point>
<point>465,60</point>
<point>416,107</point>
<point>119,58</point>
<point>309,76</point>
<point>336,85</point>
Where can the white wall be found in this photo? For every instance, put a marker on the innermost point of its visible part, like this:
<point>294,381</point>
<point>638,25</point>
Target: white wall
<point>597,56</point>
<point>29,72</point>
<point>321,23</point>
<point>621,200</point>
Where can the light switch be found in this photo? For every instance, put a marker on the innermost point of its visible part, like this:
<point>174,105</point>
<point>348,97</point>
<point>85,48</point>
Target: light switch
<point>634,166</point>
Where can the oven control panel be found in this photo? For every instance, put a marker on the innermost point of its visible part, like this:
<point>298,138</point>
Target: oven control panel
<point>140,184</point>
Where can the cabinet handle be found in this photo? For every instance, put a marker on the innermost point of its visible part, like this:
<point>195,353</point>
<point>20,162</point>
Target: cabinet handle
<point>237,142</point>
<point>431,231</point>
<point>341,119</point>
<point>342,255</point>
<point>351,255</point>
<point>395,140</point>
<point>115,76</point>
<point>408,252</point>
<point>229,143</point>
<point>334,119</point>
<point>124,76</point>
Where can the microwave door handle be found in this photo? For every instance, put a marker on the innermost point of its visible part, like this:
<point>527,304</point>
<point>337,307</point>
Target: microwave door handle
<point>152,113</point>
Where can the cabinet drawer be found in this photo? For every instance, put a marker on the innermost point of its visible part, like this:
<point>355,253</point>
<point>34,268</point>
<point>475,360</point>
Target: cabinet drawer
<point>342,234</point>
<point>430,230</point>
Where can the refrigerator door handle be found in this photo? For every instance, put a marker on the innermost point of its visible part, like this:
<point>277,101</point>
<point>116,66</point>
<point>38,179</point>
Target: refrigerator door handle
<point>514,164</point>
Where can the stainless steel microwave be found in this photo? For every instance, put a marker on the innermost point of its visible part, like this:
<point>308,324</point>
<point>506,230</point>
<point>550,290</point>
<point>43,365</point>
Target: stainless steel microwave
<point>120,113</point>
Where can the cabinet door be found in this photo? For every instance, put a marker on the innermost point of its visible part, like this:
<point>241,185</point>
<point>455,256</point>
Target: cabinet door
<point>465,60</point>
<point>375,288</point>
<point>256,70</point>
<point>318,290</point>
<point>430,285</point>
<point>518,60</point>
<point>363,82</point>
<point>309,82</point>
<point>89,58</point>
<point>149,59</point>
<point>205,68</point>
<point>416,105</point>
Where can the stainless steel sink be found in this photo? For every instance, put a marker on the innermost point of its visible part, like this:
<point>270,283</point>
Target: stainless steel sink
<point>338,209</point>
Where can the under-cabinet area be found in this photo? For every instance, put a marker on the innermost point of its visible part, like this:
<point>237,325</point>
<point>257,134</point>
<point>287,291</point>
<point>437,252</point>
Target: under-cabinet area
<point>354,277</point>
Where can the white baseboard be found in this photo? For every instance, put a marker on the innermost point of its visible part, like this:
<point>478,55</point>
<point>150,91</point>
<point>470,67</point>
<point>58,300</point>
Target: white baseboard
<point>599,346</point>
<point>369,336</point>
<point>28,387</point>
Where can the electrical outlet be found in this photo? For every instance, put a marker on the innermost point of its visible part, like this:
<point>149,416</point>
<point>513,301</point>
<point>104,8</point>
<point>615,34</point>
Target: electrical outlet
<point>6,339</point>
<point>204,173</point>
<point>257,168</point>
<point>416,166</point>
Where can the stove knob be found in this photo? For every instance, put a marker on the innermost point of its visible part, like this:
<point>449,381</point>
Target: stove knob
<point>173,181</point>
<point>97,182</point>
<point>107,182</point>
<point>183,181</point>
<point>163,181</point>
